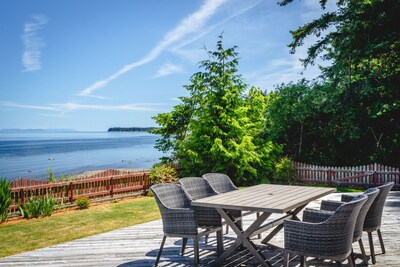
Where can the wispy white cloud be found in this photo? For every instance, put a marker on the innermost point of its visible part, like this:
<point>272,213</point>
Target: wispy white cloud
<point>195,56</point>
<point>32,43</point>
<point>168,69</point>
<point>192,23</point>
<point>72,106</point>
<point>37,107</point>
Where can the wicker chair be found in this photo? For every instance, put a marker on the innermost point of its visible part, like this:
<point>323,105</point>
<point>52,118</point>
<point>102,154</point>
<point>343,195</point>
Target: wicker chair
<point>310,215</point>
<point>221,183</point>
<point>196,188</point>
<point>179,219</point>
<point>373,218</point>
<point>329,239</point>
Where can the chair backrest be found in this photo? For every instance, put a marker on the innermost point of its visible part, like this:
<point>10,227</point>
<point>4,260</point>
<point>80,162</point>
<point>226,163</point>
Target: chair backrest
<point>374,216</point>
<point>177,216</point>
<point>371,193</point>
<point>169,196</point>
<point>340,226</point>
<point>196,187</point>
<point>221,183</point>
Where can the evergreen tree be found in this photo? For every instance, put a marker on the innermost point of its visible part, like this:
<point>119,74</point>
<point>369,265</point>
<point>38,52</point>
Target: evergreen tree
<point>218,128</point>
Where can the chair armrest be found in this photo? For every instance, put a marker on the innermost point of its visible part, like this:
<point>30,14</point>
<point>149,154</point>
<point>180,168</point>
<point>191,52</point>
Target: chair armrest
<point>348,197</point>
<point>298,233</point>
<point>330,205</point>
<point>316,216</point>
<point>179,221</point>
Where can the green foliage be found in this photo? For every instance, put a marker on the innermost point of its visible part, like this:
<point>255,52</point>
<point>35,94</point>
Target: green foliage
<point>36,207</point>
<point>50,174</point>
<point>361,40</point>
<point>163,173</point>
<point>218,128</point>
<point>83,203</point>
<point>284,171</point>
<point>5,199</point>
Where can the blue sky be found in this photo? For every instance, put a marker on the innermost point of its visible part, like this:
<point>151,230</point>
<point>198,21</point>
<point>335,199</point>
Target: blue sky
<point>94,64</point>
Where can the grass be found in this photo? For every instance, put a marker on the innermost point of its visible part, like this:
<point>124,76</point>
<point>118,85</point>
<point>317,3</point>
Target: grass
<point>66,226</point>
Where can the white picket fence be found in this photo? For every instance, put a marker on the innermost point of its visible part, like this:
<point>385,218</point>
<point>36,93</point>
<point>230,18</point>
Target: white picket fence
<point>359,176</point>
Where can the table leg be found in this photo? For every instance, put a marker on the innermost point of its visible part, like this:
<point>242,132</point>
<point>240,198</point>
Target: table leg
<point>279,227</point>
<point>243,238</point>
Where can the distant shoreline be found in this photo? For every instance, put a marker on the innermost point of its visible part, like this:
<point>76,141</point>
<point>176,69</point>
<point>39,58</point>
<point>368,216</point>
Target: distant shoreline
<point>130,129</point>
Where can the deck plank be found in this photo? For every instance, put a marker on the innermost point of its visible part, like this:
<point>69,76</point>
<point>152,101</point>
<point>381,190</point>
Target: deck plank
<point>137,246</point>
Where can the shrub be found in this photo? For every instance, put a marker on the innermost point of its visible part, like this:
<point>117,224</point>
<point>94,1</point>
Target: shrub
<point>37,207</point>
<point>5,199</point>
<point>164,173</point>
<point>48,205</point>
<point>284,171</point>
<point>83,203</point>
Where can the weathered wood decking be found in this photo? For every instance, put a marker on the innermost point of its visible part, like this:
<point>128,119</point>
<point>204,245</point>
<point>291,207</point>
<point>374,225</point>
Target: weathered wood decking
<point>138,246</point>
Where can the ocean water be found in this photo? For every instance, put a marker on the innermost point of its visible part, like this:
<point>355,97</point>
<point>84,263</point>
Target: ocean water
<point>30,154</point>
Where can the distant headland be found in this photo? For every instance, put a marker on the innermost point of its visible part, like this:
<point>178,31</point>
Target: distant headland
<point>130,129</point>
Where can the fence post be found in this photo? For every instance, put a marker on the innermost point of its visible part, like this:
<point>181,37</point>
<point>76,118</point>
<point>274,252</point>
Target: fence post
<point>145,184</point>
<point>329,177</point>
<point>71,192</point>
<point>374,175</point>
<point>112,186</point>
<point>22,194</point>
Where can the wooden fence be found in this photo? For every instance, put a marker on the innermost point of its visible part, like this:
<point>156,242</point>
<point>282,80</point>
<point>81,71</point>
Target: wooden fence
<point>360,176</point>
<point>104,184</point>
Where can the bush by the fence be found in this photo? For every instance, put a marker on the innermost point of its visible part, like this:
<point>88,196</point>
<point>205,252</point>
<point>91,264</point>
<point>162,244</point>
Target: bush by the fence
<point>83,203</point>
<point>5,199</point>
<point>36,207</point>
<point>284,171</point>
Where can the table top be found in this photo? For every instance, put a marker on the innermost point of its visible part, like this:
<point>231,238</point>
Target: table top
<point>265,198</point>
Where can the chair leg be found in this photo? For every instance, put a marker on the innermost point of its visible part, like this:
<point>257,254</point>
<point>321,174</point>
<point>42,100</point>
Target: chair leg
<point>381,241</point>
<point>220,243</point>
<point>371,247</point>
<point>364,256</point>
<point>206,239</point>
<point>285,259</point>
<point>350,259</point>
<point>184,242</point>
<point>160,250</point>
<point>303,261</point>
<point>196,251</point>
<point>259,235</point>
<point>227,229</point>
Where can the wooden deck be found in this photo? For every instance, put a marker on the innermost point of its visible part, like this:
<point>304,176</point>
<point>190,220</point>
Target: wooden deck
<point>138,246</point>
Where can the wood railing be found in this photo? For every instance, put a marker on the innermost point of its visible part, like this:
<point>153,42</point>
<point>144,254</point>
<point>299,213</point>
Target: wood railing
<point>104,184</point>
<point>360,176</point>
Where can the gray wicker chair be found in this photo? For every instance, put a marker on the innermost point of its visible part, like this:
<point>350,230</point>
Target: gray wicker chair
<point>196,188</point>
<point>329,239</point>
<point>373,218</point>
<point>221,183</point>
<point>179,219</point>
<point>310,215</point>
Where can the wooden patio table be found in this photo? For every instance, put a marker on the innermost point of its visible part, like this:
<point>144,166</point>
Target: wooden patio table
<point>266,199</point>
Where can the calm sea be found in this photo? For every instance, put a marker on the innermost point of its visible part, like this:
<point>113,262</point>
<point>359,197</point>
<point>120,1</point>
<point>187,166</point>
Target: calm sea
<point>30,154</point>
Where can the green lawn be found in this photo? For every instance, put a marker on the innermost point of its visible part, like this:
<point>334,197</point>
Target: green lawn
<point>38,233</point>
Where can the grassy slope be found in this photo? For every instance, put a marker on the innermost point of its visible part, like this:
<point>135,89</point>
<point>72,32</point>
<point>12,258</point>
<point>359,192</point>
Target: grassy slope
<point>38,233</point>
